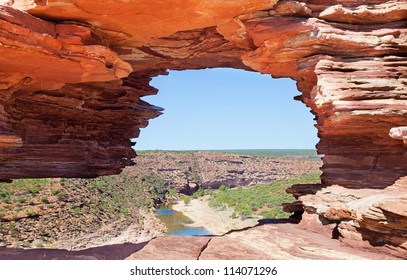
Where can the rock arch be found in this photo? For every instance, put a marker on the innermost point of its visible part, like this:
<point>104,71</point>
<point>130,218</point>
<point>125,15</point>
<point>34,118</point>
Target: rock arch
<point>72,73</point>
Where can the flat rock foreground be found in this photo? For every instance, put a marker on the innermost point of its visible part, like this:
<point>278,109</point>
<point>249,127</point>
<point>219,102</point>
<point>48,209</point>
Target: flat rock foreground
<point>280,241</point>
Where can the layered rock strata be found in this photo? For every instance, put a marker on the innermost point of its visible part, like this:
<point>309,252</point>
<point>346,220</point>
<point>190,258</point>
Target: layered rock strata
<point>358,217</point>
<point>73,71</point>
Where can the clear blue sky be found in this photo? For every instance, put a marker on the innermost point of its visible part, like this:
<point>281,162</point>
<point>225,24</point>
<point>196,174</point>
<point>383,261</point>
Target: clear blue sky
<point>226,109</point>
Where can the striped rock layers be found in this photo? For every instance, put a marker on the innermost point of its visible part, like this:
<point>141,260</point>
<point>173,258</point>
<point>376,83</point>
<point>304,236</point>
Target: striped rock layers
<point>72,73</point>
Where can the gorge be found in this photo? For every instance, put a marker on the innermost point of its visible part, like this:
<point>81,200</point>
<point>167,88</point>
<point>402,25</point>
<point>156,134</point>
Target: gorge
<point>72,73</point>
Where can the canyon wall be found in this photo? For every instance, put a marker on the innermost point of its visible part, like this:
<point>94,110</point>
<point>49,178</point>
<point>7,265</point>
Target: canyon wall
<point>72,73</point>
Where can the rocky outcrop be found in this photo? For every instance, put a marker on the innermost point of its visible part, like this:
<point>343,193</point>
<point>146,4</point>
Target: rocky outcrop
<point>73,71</point>
<point>361,217</point>
<point>281,242</point>
<point>353,78</point>
<point>61,92</point>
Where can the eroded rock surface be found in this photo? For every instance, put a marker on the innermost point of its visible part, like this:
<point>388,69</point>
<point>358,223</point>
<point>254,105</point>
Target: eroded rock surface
<point>73,71</point>
<point>172,248</point>
<point>361,217</point>
<point>266,242</point>
<point>282,242</point>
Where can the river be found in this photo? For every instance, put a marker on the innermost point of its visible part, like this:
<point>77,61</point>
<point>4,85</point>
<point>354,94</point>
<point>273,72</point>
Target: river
<point>177,223</point>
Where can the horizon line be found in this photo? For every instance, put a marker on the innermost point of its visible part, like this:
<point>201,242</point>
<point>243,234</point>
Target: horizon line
<point>229,149</point>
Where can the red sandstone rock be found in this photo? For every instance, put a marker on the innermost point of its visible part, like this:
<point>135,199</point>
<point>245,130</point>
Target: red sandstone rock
<point>386,12</point>
<point>287,41</point>
<point>68,109</point>
<point>378,216</point>
<point>224,248</point>
<point>399,133</point>
<point>339,214</point>
<point>172,248</point>
<point>267,242</point>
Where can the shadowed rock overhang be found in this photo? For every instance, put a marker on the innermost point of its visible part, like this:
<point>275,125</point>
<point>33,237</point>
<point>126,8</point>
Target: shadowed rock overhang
<point>72,73</point>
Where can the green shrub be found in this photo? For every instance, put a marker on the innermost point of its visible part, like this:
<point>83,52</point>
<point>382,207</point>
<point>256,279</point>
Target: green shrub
<point>198,193</point>
<point>223,188</point>
<point>187,199</point>
<point>208,191</point>
<point>31,214</point>
<point>62,196</point>
<point>56,191</point>
<point>13,233</point>
<point>264,199</point>
<point>33,191</point>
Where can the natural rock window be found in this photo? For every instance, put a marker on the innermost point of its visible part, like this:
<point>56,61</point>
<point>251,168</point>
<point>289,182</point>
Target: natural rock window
<point>215,109</point>
<point>72,78</point>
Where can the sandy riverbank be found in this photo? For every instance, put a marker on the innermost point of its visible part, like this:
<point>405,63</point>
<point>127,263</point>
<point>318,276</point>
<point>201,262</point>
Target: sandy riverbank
<point>215,221</point>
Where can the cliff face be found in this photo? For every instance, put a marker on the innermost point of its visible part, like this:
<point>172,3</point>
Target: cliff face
<point>73,71</point>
